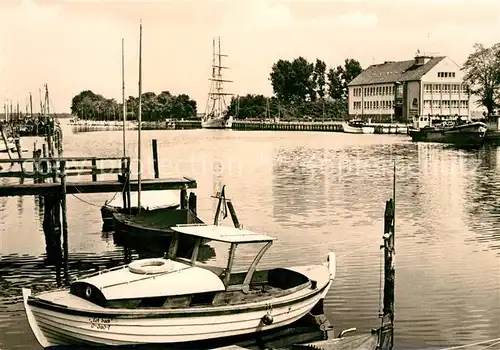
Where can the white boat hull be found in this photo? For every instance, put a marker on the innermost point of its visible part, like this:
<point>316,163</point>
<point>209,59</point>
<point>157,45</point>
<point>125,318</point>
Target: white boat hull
<point>219,122</point>
<point>90,324</point>
<point>358,130</point>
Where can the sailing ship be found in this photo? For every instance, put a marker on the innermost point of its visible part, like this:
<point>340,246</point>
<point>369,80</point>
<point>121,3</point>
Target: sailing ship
<point>460,134</point>
<point>357,126</point>
<point>149,300</point>
<point>216,114</point>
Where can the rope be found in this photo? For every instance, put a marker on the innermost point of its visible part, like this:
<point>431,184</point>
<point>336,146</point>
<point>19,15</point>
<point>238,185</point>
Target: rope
<point>93,204</point>
<point>87,202</point>
<point>497,340</point>
<point>489,346</point>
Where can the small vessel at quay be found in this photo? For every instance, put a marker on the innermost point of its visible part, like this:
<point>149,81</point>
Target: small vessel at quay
<point>357,126</point>
<point>178,299</point>
<point>466,134</point>
<point>150,201</point>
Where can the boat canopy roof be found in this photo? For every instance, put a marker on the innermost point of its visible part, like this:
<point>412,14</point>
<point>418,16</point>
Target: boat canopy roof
<point>151,200</point>
<point>225,234</point>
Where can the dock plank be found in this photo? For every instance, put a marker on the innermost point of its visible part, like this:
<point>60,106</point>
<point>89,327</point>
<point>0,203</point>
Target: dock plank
<point>84,187</point>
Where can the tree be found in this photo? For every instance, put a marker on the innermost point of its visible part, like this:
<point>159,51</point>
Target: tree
<point>88,105</point>
<point>335,88</point>
<point>482,73</point>
<point>320,77</point>
<point>293,81</point>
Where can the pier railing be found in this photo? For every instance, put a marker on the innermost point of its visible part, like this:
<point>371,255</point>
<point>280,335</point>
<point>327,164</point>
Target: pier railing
<point>44,168</point>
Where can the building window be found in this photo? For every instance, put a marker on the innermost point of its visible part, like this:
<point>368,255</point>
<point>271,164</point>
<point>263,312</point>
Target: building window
<point>454,104</point>
<point>445,87</point>
<point>464,103</point>
<point>436,104</point>
<point>445,103</point>
<point>455,88</point>
<point>428,88</point>
<point>453,74</point>
<point>427,104</point>
<point>437,88</point>
<point>365,104</point>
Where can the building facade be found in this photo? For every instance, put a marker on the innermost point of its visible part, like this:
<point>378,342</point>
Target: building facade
<point>419,90</point>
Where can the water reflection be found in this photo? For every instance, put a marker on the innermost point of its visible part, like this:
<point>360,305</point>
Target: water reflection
<point>482,207</point>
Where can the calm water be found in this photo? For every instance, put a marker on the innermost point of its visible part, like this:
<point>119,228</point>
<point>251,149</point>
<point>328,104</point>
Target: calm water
<point>315,192</point>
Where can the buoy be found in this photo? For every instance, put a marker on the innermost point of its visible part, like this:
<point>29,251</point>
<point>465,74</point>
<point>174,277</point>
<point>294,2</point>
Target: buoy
<point>267,319</point>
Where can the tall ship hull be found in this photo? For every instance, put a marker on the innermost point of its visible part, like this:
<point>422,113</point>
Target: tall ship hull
<point>472,134</point>
<point>217,123</point>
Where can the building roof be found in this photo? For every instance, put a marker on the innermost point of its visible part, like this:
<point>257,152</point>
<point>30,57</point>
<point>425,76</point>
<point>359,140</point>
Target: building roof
<point>222,233</point>
<point>391,72</point>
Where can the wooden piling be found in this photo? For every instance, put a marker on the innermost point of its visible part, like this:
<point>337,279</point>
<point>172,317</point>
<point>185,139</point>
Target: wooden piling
<point>64,220</point>
<point>124,181</point>
<point>230,207</point>
<point>184,199</point>
<point>192,202</point>
<point>127,186</point>
<point>6,142</point>
<point>155,159</point>
<point>94,167</point>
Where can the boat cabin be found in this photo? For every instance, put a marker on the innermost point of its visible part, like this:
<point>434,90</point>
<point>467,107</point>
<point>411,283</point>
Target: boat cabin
<point>357,123</point>
<point>184,280</point>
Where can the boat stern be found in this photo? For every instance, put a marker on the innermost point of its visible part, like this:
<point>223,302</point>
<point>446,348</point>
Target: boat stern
<point>37,332</point>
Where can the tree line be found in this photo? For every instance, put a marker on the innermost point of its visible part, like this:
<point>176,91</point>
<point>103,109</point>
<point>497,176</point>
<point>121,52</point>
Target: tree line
<point>302,90</point>
<point>91,106</point>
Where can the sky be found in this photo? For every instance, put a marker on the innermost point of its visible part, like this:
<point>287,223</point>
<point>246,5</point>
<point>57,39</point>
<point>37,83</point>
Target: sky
<point>76,45</point>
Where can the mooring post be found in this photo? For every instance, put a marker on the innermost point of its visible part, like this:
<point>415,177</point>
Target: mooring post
<point>127,186</point>
<point>64,220</point>
<point>155,159</point>
<point>192,202</point>
<point>124,181</point>
<point>386,336</point>
<point>94,167</point>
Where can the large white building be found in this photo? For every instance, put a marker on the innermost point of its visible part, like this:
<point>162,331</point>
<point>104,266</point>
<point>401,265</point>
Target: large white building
<point>416,90</point>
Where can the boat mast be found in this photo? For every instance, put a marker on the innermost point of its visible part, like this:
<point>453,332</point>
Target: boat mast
<point>123,98</point>
<point>139,120</point>
<point>219,77</point>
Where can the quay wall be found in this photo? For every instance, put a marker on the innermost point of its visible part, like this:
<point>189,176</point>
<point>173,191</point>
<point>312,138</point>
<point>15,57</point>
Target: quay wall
<point>313,126</point>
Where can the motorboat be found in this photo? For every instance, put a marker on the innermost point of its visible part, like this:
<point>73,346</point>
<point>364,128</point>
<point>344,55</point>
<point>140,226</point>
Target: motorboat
<point>358,126</point>
<point>179,299</point>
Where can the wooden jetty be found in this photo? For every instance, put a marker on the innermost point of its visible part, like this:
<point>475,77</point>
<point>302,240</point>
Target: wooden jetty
<point>54,193</point>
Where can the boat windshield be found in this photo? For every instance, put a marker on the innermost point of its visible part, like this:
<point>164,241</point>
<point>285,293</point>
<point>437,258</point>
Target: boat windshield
<point>233,254</point>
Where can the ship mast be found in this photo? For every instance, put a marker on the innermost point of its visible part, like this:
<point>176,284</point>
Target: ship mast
<point>139,177</point>
<point>216,94</point>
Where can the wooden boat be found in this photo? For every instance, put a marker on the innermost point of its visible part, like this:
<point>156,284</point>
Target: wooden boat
<point>150,201</point>
<point>153,223</point>
<point>468,134</point>
<point>357,126</point>
<point>179,300</point>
